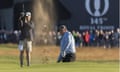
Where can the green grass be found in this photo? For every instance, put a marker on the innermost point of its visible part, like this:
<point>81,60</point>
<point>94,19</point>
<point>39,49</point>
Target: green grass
<point>10,63</point>
<point>67,67</point>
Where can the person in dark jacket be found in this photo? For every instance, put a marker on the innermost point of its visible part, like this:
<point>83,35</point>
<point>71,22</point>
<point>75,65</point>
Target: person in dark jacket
<point>26,38</point>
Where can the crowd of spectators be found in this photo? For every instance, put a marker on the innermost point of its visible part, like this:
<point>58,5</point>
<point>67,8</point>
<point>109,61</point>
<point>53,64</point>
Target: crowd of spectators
<point>96,38</point>
<point>9,36</point>
<point>100,38</point>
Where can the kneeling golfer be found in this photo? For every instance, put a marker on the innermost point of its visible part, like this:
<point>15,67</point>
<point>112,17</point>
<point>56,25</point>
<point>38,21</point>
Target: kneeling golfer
<point>67,46</point>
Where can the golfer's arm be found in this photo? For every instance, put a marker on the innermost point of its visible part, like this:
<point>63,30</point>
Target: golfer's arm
<point>68,43</point>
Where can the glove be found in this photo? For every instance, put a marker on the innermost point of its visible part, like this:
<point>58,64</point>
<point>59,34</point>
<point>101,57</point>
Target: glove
<point>63,54</point>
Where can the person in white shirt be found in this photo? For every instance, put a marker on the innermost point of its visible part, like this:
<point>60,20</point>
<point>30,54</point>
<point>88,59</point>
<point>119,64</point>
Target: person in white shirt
<point>67,46</point>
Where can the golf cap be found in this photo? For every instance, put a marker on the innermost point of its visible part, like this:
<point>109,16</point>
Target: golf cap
<point>28,13</point>
<point>62,27</point>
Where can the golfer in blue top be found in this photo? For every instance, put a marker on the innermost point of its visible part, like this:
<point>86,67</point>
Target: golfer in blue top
<point>67,46</point>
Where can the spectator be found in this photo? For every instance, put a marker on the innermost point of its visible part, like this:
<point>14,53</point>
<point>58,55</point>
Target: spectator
<point>112,38</point>
<point>58,38</point>
<point>75,37</point>
<point>80,39</point>
<point>27,28</point>
<point>107,40</point>
<point>87,38</point>
<point>117,37</point>
<point>97,33</point>
<point>92,38</point>
<point>83,36</point>
<point>101,38</point>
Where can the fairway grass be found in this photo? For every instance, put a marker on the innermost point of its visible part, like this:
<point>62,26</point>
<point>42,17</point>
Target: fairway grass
<point>62,67</point>
<point>9,62</point>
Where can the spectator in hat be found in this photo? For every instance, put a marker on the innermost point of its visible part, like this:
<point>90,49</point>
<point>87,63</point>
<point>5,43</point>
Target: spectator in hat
<point>27,31</point>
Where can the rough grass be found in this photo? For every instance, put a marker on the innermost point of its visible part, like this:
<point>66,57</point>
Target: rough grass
<point>44,60</point>
<point>50,53</point>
